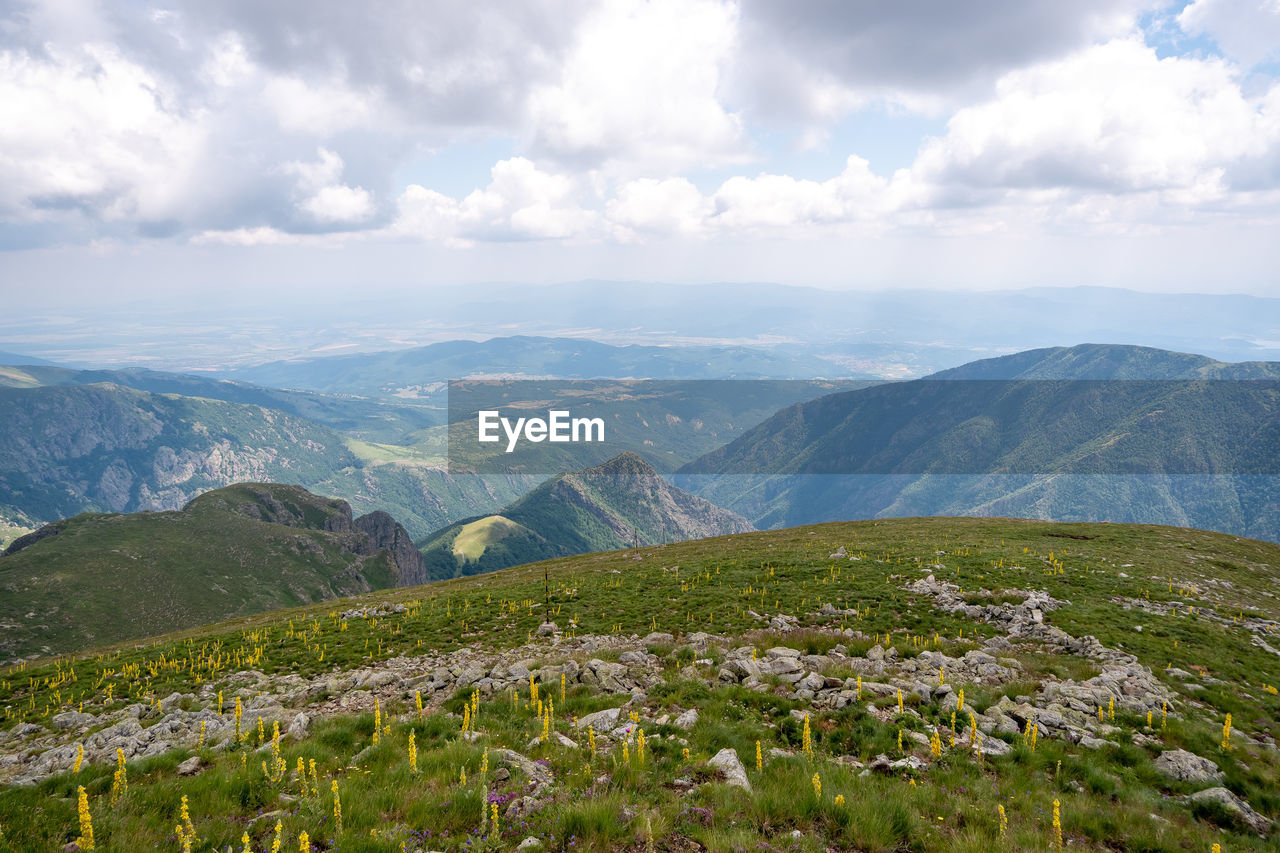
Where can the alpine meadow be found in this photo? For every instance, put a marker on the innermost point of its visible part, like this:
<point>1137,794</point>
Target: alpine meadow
<point>640,426</point>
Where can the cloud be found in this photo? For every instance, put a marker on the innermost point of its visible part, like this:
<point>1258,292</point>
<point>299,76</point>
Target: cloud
<point>812,60</point>
<point>650,206</point>
<point>1111,119</point>
<point>250,123</point>
<point>1246,30</point>
<point>92,133</point>
<point>521,202</point>
<point>778,201</point>
<point>322,195</point>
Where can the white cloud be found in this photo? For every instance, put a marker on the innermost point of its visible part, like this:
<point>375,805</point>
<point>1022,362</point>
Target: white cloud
<point>521,202</point>
<point>90,130</point>
<point>1247,30</point>
<point>318,108</point>
<point>1110,119</point>
<point>639,90</point>
<point>339,204</point>
<point>245,123</point>
<point>783,201</point>
<point>670,206</point>
<point>322,197</point>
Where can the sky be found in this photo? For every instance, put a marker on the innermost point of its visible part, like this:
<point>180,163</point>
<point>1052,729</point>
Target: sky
<point>174,151</point>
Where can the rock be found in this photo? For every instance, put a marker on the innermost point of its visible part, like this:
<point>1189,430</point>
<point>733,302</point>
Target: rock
<point>658,638</point>
<point>564,741</point>
<point>547,628</point>
<point>687,720</point>
<point>601,721</point>
<point>529,843</point>
<point>299,727</point>
<point>1230,802</point>
<point>838,553</point>
<point>537,773</point>
<point>1188,767</point>
<point>993,746</point>
<point>632,657</point>
<point>378,531</point>
<point>783,652</point>
<point>69,720</point>
<point>190,767</point>
<point>813,681</point>
<point>726,761</point>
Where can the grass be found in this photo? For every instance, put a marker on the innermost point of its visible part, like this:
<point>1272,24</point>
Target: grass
<point>474,538</point>
<point>1110,798</point>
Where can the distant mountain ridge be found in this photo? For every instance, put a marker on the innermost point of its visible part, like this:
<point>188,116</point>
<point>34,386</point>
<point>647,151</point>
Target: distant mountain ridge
<point>532,357</point>
<point>95,447</point>
<point>1026,437</point>
<point>243,549</point>
<point>613,505</point>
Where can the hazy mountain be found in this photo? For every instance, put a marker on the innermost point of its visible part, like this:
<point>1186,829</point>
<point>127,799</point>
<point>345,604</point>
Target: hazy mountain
<point>102,578</point>
<point>614,505</point>
<point>414,371</point>
<point>1026,437</point>
<point>7,357</point>
<point>366,419</point>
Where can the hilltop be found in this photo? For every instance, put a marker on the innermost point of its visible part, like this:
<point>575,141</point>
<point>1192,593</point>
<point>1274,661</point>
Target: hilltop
<point>102,578</point>
<point>617,504</point>
<point>926,684</point>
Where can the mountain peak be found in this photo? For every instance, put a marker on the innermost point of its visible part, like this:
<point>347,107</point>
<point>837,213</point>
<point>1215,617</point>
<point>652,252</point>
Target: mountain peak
<point>628,463</point>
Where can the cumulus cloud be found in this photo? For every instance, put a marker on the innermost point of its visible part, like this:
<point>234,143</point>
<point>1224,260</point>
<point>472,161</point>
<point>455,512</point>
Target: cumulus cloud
<point>639,89</point>
<point>267,124</point>
<point>92,132</point>
<point>1110,119</point>
<point>1247,30</point>
<point>521,202</point>
<point>670,206</point>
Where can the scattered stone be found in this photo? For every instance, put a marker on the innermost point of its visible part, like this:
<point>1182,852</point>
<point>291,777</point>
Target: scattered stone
<point>1187,767</point>
<point>529,843</point>
<point>726,761</point>
<point>69,720</point>
<point>687,720</point>
<point>1233,804</point>
<point>300,726</point>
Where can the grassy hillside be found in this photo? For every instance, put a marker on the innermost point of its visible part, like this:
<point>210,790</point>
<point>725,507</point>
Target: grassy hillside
<point>851,605</point>
<point>249,548</point>
<point>618,503</point>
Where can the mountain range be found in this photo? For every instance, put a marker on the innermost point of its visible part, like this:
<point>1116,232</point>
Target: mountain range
<point>620,503</point>
<point>1082,433</point>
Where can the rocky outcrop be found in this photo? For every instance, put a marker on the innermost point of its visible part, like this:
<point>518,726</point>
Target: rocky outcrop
<point>378,531</point>
<point>1188,767</point>
<point>1230,803</point>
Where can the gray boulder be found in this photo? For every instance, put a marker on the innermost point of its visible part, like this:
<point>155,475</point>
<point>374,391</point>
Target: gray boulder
<point>1233,804</point>
<point>726,761</point>
<point>1188,767</point>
